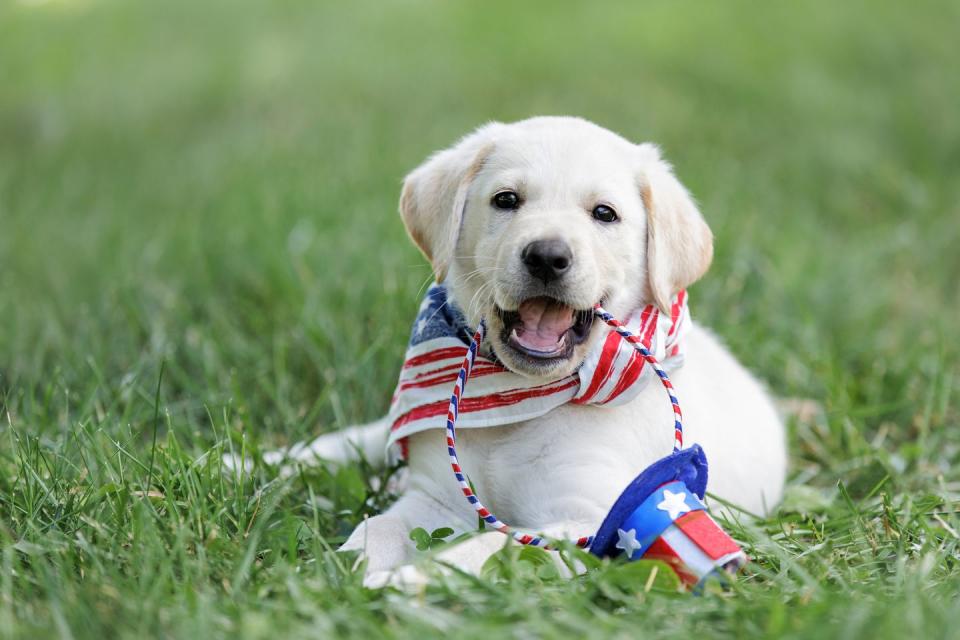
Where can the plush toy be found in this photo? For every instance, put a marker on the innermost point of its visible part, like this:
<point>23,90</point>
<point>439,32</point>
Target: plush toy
<point>660,515</point>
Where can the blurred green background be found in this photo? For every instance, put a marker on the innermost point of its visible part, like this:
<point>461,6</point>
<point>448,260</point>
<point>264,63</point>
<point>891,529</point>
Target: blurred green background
<point>213,186</point>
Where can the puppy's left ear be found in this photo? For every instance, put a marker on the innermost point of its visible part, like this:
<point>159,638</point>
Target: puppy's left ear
<point>679,242</point>
<point>435,194</point>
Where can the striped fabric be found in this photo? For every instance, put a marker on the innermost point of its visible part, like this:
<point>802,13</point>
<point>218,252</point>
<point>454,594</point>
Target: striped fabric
<point>612,374</point>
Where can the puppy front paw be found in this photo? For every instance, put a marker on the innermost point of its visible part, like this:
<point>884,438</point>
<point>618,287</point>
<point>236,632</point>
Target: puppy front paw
<point>405,577</point>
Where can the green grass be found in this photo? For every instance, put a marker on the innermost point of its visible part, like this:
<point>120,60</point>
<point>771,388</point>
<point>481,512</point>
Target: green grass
<point>209,190</point>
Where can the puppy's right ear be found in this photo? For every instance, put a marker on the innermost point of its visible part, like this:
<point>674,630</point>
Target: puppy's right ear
<point>679,242</point>
<point>435,195</point>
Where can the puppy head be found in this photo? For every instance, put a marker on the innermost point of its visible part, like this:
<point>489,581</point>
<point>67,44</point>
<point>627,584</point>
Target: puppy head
<point>531,224</point>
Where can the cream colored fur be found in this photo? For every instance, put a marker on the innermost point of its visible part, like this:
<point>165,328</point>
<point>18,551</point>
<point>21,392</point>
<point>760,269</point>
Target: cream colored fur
<point>560,473</point>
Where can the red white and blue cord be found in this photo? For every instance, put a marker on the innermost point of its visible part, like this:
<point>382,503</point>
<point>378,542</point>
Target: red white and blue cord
<point>605,315</point>
<point>453,411</point>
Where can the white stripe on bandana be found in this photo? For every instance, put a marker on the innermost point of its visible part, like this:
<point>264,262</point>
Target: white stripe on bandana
<point>612,374</point>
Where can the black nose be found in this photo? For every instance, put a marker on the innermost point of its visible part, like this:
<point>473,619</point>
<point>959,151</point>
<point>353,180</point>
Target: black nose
<point>547,260</point>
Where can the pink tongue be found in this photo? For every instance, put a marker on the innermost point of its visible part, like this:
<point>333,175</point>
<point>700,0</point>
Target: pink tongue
<point>544,322</point>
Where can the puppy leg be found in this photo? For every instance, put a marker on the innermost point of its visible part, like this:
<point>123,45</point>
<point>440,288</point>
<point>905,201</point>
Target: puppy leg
<point>384,540</point>
<point>367,441</point>
<point>470,555</point>
<point>467,556</point>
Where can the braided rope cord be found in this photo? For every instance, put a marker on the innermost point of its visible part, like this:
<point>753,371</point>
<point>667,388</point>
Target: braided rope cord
<point>604,315</point>
<point>453,411</point>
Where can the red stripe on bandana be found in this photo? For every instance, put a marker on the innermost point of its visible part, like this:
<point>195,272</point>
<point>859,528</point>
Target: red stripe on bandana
<point>447,379</point>
<point>491,401</point>
<point>433,356</point>
<point>604,368</point>
<point>455,367</point>
<point>676,310</point>
<point>629,376</point>
<point>635,367</point>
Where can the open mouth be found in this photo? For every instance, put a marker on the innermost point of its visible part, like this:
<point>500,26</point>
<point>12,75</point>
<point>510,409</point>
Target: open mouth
<point>544,328</point>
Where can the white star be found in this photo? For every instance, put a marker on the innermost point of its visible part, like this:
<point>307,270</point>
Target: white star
<point>628,541</point>
<point>673,503</point>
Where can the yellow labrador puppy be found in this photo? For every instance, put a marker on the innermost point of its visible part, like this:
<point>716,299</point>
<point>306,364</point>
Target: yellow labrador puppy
<point>528,225</point>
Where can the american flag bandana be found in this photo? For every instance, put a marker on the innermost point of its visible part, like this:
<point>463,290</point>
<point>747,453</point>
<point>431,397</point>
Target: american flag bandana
<point>612,374</point>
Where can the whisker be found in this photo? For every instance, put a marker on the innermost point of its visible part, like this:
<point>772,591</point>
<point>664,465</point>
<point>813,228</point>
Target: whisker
<point>424,285</point>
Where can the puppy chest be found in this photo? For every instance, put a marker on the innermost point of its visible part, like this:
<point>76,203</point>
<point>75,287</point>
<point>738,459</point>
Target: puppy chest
<point>568,465</point>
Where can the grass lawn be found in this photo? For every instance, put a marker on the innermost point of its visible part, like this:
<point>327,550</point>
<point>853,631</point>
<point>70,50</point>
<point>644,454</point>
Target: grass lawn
<point>209,190</point>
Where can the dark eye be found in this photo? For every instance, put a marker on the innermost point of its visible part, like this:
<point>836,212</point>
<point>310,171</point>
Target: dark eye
<point>603,213</point>
<point>506,200</point>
